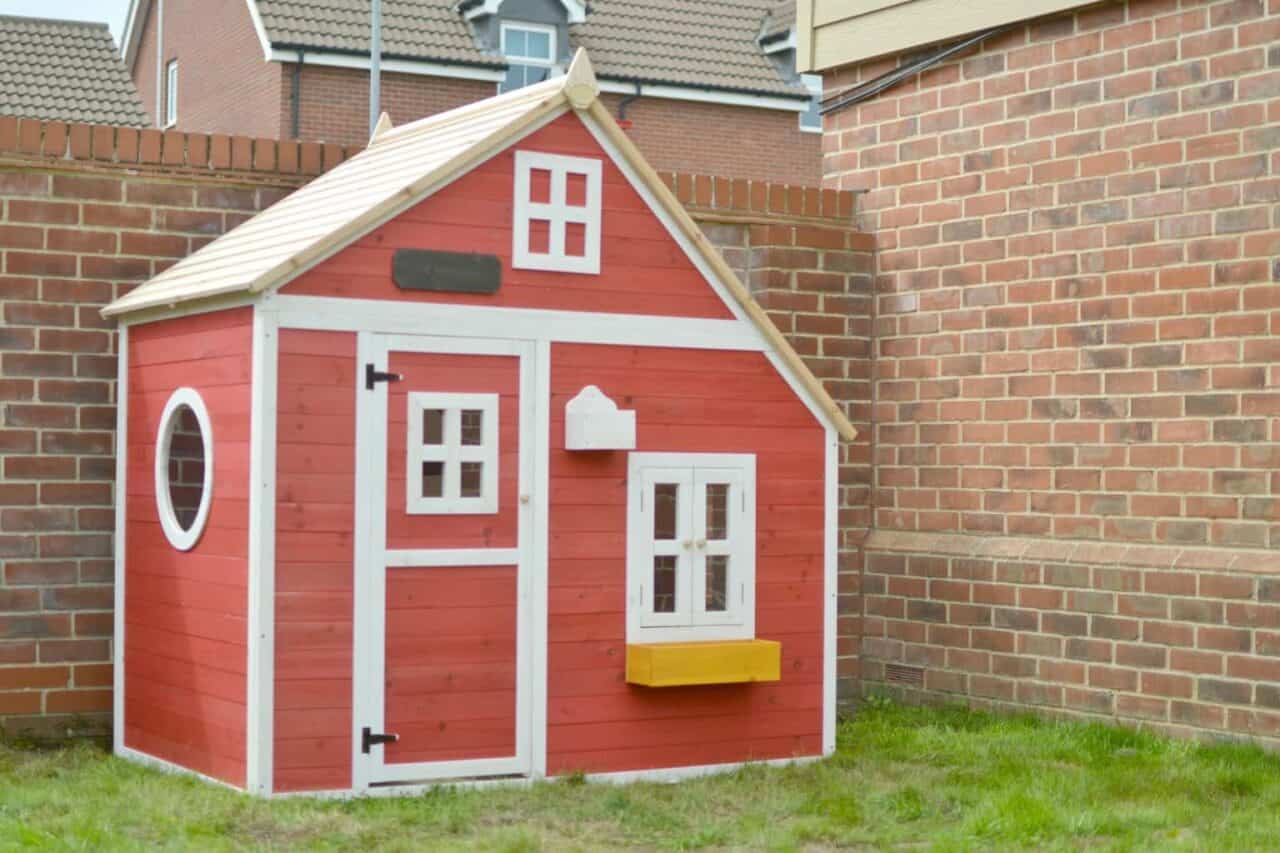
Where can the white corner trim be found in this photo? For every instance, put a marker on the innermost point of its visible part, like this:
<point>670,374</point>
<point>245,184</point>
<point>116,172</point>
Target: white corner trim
<point>557,212</point>
<point>706,96</point>
<point>830,588</point>
<point>258,28</point>
<point>183,540</point>
<point>131,35</point>
<point>541,538</point>
<point>421,68</point>
<point>260,696</point>
<point>122,469</point>
<point>142,758</point>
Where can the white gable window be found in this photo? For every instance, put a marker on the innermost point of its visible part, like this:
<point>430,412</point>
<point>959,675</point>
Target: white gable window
<point>691,535</point>
<point>530,50</point>
<point>557,213</point>
<point>451,466</point>
<point>171,93</point>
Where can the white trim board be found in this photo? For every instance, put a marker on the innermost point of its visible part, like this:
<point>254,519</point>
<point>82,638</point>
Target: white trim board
<point>575,10</point>
<point>420,68</point>
<point>324,313</point>
<point>260,672</point>
<point>121,517</point>
<point>707,96</point>
<point>657,775</point>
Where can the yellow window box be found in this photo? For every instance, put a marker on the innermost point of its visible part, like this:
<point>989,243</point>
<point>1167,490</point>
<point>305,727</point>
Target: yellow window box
<point>720,662</point>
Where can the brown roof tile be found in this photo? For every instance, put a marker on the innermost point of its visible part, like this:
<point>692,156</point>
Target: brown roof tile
<point>692,43</point>
<point>65,71</point>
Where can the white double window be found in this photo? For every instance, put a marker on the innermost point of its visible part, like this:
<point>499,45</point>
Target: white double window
<point>690,547</point>
<point>452,460</point>
<point>530,50</point>
<point>557,213</point>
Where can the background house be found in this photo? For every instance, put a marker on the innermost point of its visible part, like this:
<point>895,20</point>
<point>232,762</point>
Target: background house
<point>65,71</point>
<point>1077,482</point>
<point>706,87</point>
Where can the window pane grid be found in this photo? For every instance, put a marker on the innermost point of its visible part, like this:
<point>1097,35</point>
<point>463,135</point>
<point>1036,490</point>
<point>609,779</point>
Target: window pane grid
<point>452,450</point>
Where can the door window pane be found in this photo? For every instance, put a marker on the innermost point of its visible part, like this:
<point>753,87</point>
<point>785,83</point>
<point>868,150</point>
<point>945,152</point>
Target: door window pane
<point>664,584</point>
<point>665,500</point>
<point>717,511</point>
<point>717,599</point>
<point>432,479</point>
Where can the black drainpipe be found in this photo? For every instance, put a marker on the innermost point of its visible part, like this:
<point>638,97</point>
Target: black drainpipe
<point>868,90</point>
<point>622,105</point>
<point>297,92</point>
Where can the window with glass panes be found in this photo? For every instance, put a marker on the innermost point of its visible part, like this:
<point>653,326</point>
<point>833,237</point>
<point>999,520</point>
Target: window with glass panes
<point>691,546</point>
<point>451,462</point>
<point>530,50</point>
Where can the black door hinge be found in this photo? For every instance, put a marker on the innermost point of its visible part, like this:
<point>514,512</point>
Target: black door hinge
<point>369,739</point>
<point>373,377</point>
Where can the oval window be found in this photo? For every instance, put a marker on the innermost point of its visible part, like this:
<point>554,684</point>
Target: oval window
<point>184,468</point>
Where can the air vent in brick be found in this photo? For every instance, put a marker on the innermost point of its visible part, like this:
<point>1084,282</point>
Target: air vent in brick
<point>896,673</point>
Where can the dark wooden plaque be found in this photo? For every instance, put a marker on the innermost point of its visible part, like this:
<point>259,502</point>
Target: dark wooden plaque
<point>449,272</point>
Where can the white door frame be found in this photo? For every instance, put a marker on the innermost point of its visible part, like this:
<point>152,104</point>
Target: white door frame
<point>373,561</point>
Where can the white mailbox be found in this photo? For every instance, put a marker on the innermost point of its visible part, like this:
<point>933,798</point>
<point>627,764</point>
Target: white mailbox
<point>594,422</point>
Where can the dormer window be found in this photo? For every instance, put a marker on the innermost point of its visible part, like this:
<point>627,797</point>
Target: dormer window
<point>530,50</point>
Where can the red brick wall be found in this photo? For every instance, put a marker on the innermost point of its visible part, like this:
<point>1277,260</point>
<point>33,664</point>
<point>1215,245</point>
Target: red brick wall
<point>1077,315</point>
<point>335,101</point>
<point>224,84</point>
<point>718,139</point>
<point>87,212</point>
<point>680,136</point>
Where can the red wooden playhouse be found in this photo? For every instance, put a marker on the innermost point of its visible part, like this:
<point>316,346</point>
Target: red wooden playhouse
<point>471,459</point>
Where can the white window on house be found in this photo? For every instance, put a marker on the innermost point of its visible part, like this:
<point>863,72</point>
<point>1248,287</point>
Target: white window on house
<point>557,213</point>
<point>184,468</point>
<point>811,118</point>
<point>171,93</point>
<point>451,464</point>
<point>530,50</point>
<point>691,536</point>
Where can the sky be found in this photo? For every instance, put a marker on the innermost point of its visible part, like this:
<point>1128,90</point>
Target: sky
<point>110,11</point>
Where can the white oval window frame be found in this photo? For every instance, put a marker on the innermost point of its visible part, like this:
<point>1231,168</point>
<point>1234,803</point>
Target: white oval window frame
<point>183,540</point>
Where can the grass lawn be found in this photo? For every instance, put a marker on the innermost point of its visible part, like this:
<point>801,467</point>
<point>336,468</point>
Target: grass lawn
<point>902,776</point>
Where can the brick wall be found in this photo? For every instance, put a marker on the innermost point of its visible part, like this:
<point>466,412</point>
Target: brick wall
<point>86,212</point>
<point>224,84</point>
<point>718,139</point>
<point>335,101</point>
<point>1077,327</point>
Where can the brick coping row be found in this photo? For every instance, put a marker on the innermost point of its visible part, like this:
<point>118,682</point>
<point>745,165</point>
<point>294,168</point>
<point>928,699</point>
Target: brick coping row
<point>29,140</point>
<point>1065,551</point>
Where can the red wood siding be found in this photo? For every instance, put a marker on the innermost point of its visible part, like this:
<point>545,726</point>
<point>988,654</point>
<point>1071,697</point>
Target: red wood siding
<point>460,374</point>
<point>315,509</point>
<point>185,630</point>
<point>451,663</point>
<point>643,270</point>
<point>685,402</point>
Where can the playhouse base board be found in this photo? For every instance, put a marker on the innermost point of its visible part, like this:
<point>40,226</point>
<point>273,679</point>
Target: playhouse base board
<point>664,775</point>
